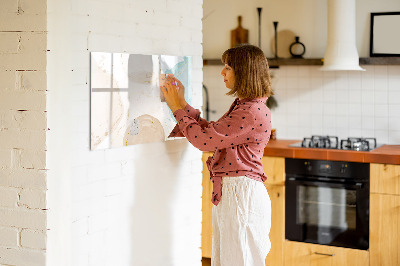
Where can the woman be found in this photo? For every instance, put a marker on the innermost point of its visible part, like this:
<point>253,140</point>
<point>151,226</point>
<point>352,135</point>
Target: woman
<point>242,208</point>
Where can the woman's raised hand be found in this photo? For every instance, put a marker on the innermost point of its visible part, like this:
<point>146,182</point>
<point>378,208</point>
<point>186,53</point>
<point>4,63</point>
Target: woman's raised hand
<point>181,90</point>
<point>173,90</point>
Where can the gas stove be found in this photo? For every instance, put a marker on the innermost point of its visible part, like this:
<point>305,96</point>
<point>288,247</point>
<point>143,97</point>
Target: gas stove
<point>332,142</point>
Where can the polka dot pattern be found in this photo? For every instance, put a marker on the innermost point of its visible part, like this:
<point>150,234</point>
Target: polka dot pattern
<point>238,139</point>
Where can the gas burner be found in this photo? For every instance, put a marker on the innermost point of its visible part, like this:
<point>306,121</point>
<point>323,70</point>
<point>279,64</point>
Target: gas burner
<point>327,142</point>
<point>332,142</point>
<point>358,144</point>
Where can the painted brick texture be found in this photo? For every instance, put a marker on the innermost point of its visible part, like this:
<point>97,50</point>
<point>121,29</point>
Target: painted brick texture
<point>118,206</point>
<point>23,132</point>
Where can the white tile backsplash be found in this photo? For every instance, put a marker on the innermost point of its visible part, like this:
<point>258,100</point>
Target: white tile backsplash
<point>343,103</point>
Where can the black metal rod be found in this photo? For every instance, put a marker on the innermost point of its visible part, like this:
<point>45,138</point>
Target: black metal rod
<point>259,26</point>
<point>276,38</point>
<point>207,106</point>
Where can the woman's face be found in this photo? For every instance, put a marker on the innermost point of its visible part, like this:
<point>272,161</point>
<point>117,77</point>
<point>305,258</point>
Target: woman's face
<point>229,76</point>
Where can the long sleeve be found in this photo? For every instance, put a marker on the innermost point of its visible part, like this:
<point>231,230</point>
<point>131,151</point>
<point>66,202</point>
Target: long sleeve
<point>231,130</point>
<point>193,113</point>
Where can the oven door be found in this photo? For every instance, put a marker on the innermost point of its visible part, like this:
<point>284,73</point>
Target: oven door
<point>327,213</point>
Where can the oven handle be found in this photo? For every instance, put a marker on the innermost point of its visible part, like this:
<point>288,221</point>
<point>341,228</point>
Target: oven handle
<point>357,185</point>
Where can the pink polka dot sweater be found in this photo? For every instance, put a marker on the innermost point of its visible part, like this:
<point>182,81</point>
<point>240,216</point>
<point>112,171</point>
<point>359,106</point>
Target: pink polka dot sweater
<point>238,139</point>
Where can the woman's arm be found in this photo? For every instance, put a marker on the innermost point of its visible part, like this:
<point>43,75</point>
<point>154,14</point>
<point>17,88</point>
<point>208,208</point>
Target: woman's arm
<point>237,128</point>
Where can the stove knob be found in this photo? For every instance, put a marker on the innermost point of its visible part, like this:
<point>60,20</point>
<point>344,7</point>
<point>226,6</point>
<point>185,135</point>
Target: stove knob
<point>343,168</point>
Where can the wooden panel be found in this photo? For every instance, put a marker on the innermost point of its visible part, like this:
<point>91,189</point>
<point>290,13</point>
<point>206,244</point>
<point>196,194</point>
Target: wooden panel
<point>384,230</point>
<point>274,168</point>
<point>277,233</point>
<point>385,178</point>
<point>206,232</point>
<point>304,254</point>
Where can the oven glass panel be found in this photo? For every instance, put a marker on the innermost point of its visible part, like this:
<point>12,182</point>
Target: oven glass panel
<point>326,207</point>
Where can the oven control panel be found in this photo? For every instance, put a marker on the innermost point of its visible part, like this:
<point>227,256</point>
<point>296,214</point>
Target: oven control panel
<point>338,169</point>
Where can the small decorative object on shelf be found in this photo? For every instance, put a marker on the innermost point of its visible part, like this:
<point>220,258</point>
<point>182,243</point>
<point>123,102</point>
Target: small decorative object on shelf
<point>239,35</point>
<point>271,102</point>
<point>297,49</point>
<point>276,38</point>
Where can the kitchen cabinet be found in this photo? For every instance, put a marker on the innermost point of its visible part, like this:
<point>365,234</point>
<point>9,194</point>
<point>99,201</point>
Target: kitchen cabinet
<point>385,215</point>
<point>385,178</point>
<point>274,168</point>
<point>305,254</point>
<point>206,225</point>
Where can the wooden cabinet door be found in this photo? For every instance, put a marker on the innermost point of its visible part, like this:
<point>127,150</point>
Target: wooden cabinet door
<point>206,226</point>
<point>277,233</point>
<point>304,254</point>
<point>384,236</point>
<point>385,178</point>
<point>274,168</point>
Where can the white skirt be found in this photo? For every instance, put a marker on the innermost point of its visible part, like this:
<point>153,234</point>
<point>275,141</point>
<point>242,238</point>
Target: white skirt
<point>241,223</point>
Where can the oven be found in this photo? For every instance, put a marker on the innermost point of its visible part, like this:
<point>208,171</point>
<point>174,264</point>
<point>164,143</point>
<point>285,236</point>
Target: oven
<point>327,202</point>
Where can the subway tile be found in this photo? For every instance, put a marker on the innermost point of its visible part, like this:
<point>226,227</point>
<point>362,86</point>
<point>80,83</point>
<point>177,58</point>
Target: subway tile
<point>394,137</point>
<point>381,110</point>
<point>304,72</point>
<point>355,122</point>
<point>292,82</point>
<point>355,96</point>
<point>329,109</point>
<point>381,123</point>
<point>367,96</point>
<point>342,96</point>
<point>380,71</point>
<point>367,109</point>
<point>394,97</point>
<point>291,71</point>
<point>394,83</point>
<point>380,97</point>
<point>381,84</point>
<point>342,122</point>
<point>394,123</point>
<point>355,132</point>
<point>329,94</point>
<point>394,110</point>
<point>367,133</point>
<point>355,109</point>
<point>354,82</point>
<point>367,122</point>
<point>394,70</point>
<point>303,82</point>
<point>382,136</point>
<point>342,109</point>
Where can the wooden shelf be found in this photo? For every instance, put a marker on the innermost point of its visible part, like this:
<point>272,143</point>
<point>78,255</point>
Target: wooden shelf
<point>380,61</point>
<point>274,63</point>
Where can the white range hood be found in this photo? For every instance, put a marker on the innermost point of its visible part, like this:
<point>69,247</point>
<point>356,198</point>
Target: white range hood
<point>341,51</point>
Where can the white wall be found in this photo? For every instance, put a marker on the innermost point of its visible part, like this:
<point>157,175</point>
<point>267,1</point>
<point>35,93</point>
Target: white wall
<point>137,205</point>
<point>311,102</point>
<point>23,133</point>
<point>305,18</point>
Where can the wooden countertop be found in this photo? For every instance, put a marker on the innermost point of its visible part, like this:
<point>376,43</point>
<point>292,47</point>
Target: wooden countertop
<point>389,154</point>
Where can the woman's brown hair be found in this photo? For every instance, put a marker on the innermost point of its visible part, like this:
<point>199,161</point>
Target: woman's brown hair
<point>250,66</point>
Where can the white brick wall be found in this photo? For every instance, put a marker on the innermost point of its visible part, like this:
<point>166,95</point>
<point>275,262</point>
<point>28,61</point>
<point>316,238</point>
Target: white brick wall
<point>23,132</point>
<point>137,205</point>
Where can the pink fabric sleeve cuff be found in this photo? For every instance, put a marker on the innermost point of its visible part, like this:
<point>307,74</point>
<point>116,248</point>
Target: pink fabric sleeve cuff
<point>179,114</point>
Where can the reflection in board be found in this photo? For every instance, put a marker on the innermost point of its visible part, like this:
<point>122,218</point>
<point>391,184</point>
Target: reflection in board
<point>127,105</point>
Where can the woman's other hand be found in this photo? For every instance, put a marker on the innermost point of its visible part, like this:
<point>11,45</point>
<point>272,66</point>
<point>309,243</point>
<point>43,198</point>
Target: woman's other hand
<point>173,90</point>
<point>181,89</point>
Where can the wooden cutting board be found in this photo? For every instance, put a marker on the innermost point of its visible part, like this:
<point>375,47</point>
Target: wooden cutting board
<point>239,35</point>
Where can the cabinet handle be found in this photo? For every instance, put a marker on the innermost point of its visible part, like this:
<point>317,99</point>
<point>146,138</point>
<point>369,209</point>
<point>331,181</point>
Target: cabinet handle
<point>324,254</point>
